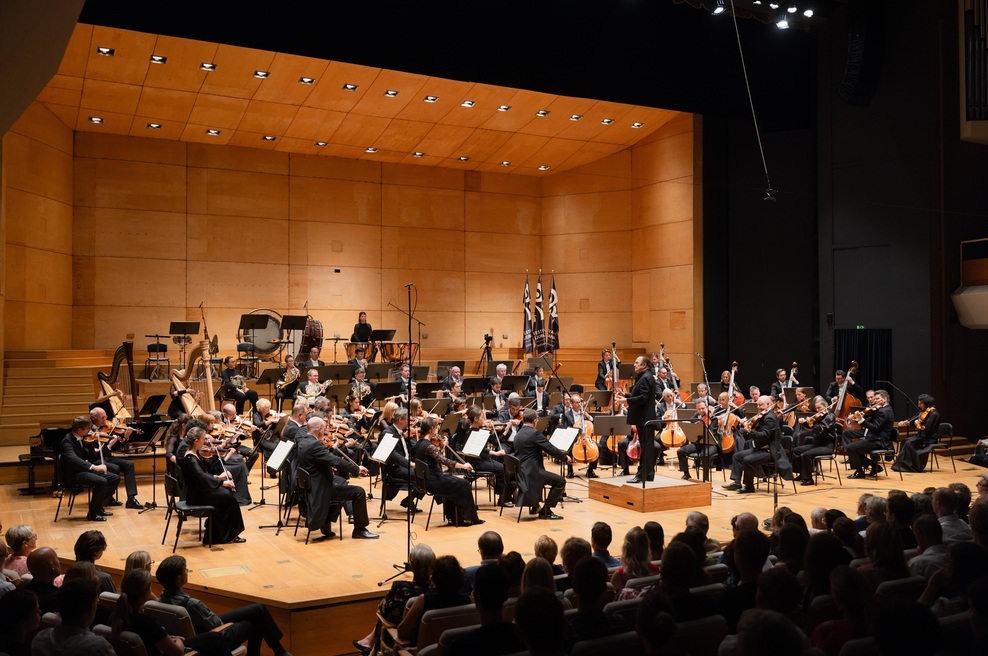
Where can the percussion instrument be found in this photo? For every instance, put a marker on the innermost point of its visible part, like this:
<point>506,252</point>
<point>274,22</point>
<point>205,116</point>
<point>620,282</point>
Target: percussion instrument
<point>268,340</point>
<point>393,351</point>
<point>351,349</point>
<point>311,337</point>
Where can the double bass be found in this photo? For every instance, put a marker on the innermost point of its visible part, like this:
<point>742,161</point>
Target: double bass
<point>844,400</point>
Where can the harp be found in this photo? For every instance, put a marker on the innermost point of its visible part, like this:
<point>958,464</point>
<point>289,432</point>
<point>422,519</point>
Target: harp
<point>183,379</point>
<point>121,377</point>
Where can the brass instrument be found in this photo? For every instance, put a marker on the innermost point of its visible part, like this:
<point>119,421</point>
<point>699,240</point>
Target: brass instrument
<point>360,390</point>
<point>239,382</point>
<point>289,377</point>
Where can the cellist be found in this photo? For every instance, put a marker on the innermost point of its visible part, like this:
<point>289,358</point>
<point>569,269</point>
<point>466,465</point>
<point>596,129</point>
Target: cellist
<point>577,417</point>
<point>707,450</point>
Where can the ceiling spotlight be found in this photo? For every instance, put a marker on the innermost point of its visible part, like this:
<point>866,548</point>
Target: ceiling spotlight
<point>349,87</point>
<point>503,108</point>
<point>757,2</point>
<point>418,154</point>
<point>158,59</point>
<point>637,125</point>
<point>430,99</point>
<point>773,5</point>
<point>213,133</point>
<point>792,8</point>
<point>544,167</point>
<point>106,52</point>
<point>575,117</point>
<point>505,163</point>
<point>390,93</point>
<point>322,143</point>
<point>720,8</point>
<point>268,137</point>
<point>607,121</point>
<point>309,80</point>
<point>206,66</point>
<point>464,159</point>
<point>542,113</point>
<point>468,103</point>
<point>783,24</point>
<point>808,13</point>
<point>262,75</point>
<point>95,119</point>
<point>154,126</point>
<point>370,150</point>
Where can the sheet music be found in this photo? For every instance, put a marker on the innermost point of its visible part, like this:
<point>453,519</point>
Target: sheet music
<point>563,438</point>
<point>476,442</point>
<point>279,454</point>
<point>384,448</point>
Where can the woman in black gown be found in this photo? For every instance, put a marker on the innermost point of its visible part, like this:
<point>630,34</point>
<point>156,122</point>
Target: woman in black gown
<point>203,488</point>
<point>454,489</point>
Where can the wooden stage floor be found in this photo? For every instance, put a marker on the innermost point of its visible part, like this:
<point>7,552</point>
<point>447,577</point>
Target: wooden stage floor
<point>323,594</point>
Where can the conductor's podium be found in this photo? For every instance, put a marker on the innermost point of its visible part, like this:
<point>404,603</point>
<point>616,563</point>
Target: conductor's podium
<point>663,493</point>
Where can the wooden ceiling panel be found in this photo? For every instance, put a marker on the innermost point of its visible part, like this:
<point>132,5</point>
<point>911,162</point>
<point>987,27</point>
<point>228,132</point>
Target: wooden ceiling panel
<point>283,84</point>
<point>342,150</point>
<point>113,123</point>
<point>67,114</point>
<point>218,111</point>
<point>520,146</point>
<point>328,91</point>
<point>553,153</point>
<point>524,105</point>
<point>248,139</point>
<point>375,103</point>
<point>547,126</point>
<point>483,145</point>
<point>171,130</point>
<point>102,96</point>
<point>314,124</point>
<point>294,145</point>
<point>234,74</point>
<point>55,96</point>
<point>166,104</point>
<point>445,140</point>
<point>589,152</point>
<point>403,136</point>
<point>450,94</point>
<point>425,160</point>
<point>130,60</point>
<point>360,131</point>
<point>76,55</point>
<point>652,118</point>
<point>181,70</point>
<point>268,117</point>
<point>197,132</point>
<point>391,156</point>
<point>486,99</point>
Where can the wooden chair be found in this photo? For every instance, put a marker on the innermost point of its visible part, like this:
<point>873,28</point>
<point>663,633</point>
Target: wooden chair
<point>700,637</point>
<point>177,506</point>
<point>177,622</point>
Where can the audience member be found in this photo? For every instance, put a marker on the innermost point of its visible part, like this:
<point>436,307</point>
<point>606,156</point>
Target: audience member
<point>694,541</point>
<point>590,621</point>
<point>905,628</point>
<point>76,604</point>
<point>922,504</point>
<point>447,583</point>
<point>697,521</point>
<point>600,540</point>
<point>824,553</point>
<point>491,547</point>
<point>818,520</point>
<point>494,635</point>
<point>89,547</point>
<point>138,560</point>
<point>20,617</point>
<point>44,567</point>
<point>514,566</point>
<point>852,594</point>
<point>763,632</point>
<point>656,625</point>
<point>538,573</point>
<point>751,549</point>
<point>539,622</point>
<point>656,540</point>
<point>574,550</point>
<point>779,590</point>
<point>861,521</point>
<point>793,540</point>
<point>979,522</point>
<point>963,499</point>
<point>677,567</point>
<point>945,506</point>
<point>900,513</point>
<point>21,541</point>
<point>932,551</point>
<point>545,547</point>
<point>946,591</point>
<point>847,532</point>
<point>886,560</point>
<point>635,561</point>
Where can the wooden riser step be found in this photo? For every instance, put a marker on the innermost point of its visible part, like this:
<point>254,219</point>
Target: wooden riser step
<point>68,373</point>
<point>34,408</point>
<point>95,361</point>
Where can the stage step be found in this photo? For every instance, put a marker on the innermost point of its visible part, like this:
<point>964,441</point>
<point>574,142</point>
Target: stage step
<point>69,374</point>
<point>18,434</point>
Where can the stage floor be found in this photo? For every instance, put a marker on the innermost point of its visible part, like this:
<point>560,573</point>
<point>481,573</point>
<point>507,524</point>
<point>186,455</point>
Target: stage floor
<point>324,592</point>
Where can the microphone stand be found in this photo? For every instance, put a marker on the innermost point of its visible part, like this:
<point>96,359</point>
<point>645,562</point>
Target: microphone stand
<point>565,389</point>
<point>908,399</point>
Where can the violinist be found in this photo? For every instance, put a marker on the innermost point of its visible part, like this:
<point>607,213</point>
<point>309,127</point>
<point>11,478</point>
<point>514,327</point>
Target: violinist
<point>641,409</point>
<point>173,438</point>
<point>604,369</point>
<point>500,398</point>
<point>834,388</point>
<point>265,423</point>
<point>219,457</point>
<point>703,414</point>
<point>324,465</point>
<point>541,398</point>
<point>359,417</point>
<point>202,487</point>
<point>404,378</point>
<point>474,420</point>
<point>533,382</point>
<point>915,451</point>
<point>762,432</point>
<point>122,467</point>
<point>816,437</point>
<point>78,466</point>
<point>455,390</point>
<point>237,390</point>
<point>399,469</point>
<point>877,423</point>
<point>459,507</point>
<point>236,429</point>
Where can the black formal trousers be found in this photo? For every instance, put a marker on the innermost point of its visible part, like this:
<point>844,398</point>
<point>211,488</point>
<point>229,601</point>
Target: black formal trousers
<point>252,623</point>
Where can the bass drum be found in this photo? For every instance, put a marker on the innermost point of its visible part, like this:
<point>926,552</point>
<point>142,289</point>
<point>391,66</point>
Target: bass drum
<point>311,337</point>
<point>267,340</point>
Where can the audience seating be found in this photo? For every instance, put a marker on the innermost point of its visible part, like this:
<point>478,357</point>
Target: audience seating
<point>124,643</point>
<point>177,622</point>
<point>623,643</point>
<point>700,637</point>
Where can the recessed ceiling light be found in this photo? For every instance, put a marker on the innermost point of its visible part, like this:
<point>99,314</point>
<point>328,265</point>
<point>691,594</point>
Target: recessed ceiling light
<point>418,154</point>
<point>430,99</point>
<point>773,5</point>
<point>391,93</point>
<point>505,163</point>
<point>349,87</point>
<point>206,66</point>
<point>154,126</point>
<point>370,150</point>
<point>322,143</point>
<point>808,13</point>
<point>575,117</point>
<point>544,167</point>
<point>262,75</point>
<point>464,159</point>
<point>106,52</point>
<point>95,119</point>
<point>468,103</point>
<point>307,80</point>
<point>268,137</point>
<point>504,108</point>
<point>158,59</point>
<point>213,133</point>
<point>792,8</point>
<point>637,125</point>
<point>783,24</point>
<point>542,112</point>
<point>607,121</point>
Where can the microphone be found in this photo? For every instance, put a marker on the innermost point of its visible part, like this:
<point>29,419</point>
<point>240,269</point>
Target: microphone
<point>200,304</point>
<point>409,285</point>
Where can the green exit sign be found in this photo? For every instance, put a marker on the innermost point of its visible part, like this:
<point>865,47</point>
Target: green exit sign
<point>860,327</point>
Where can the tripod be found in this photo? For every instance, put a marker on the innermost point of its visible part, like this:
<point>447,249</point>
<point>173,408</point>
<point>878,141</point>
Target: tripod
<point>485,355</point>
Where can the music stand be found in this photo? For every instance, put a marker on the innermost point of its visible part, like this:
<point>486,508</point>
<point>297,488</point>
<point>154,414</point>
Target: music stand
<point>611,426</point>
<point>514,383</point>
<point>183,328</point>
<point>449,424</point>
<point>419,372</point>
<point>544,361</point>
<point>493,365</point>
<point>270,376</point>
<point>338,393</point>
<point>443,367</point>
<point>337,373</point>
<point>248,324</point>
<point>559,384</point>
<point>436,406</point>
<point>790,394</point>
<point>474,385</point>
<point>427,390</point>
<point>600,399</point>
<point>713,389</point>
<point>385,390</point>
<point>379,371</point>
<point>626,371</point>
<point>152,405</point>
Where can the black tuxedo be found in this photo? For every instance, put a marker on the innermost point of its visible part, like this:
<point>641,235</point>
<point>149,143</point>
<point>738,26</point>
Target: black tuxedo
<point>763,444</point>
<point>914,452</point>
<point>603,372</point>
<point>641,409</point>
<point>876,433</point>
<point>76,468</point>
<point>449,381</point>
<point>398,470</point>
<point>239,397</point>
<point>852,388</point>
<point>309,364</point>
<point>532,476</point>
<point>815,441</point>
<point>326,486</point>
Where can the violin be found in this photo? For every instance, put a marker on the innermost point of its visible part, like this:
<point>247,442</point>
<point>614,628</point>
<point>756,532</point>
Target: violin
<point>820,415</point>
<point>757,418</point>
<point>737,398</point>
<point>865,413</point>
<point>113,428</point>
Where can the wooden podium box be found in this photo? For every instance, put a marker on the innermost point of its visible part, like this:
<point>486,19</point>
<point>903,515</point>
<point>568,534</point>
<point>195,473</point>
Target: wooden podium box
<point>663,493</point>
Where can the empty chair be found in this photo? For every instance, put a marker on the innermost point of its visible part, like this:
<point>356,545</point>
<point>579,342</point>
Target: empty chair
<point>157,356</point>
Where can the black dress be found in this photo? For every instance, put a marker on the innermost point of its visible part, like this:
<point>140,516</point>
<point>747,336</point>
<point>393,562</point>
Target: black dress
<point>454,490</point>
<point>201,488</point>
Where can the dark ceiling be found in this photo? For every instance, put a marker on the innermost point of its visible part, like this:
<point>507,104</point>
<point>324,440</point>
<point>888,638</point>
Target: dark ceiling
<point>645,52</point>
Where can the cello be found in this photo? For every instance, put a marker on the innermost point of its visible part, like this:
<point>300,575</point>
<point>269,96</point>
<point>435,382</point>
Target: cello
<point>585,450</point>
<point>672,436</point>
<point>845,400</point>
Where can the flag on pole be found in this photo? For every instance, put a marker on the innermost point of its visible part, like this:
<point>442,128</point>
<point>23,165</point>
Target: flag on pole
<point>552,335</point>
<point>538,329</point>
<point>527,341</point>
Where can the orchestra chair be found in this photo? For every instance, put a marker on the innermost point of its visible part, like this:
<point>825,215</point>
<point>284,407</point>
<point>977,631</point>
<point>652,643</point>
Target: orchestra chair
<point>512,468</point>
<point>622,643</point>
<point>433,624</point>
<point>642,582</point>
<point>422,482</point>
<point>176,505</point>
<point>945,432</point>
<point>157,354</point>
<point>772,479</point>
<point>880,454</point>
<point>715,590</point>
<point>303,485</point>
<point>909,588</point>
<point>109,599</point>
<point>700,637</point>
<point>177,622</point>
<point>68,487</point>
<point>125,643</point>
<point>247,360</point>
<point>818,461</point>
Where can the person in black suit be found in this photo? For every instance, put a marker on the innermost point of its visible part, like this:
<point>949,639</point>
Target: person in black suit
<point>500,398</point>
<point>361,330</point>
<point>119,466</point>
<point>79,467</point>
<point>474,420</point>
<point>834,388</point>
<point>453,377</point>
<point>541,398</point>
<point>235,378</point>
<point>313,360</point>
<point>604,370</point>
<point>760,435</point>
<point>641,409</point>
<point>327,486</point>
<point>287,391</point>
<point>815,440</point>
<point>400,466</point>
<point>533,381</point>
<point>710,445</point>
<point>532,477</point>
<point>876,433</point>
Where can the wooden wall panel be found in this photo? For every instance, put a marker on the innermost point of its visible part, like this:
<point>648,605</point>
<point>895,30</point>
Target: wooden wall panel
<point>664,202</point>
<point>359,288</point>
<point>336,201</point>
<point>491,291</point>
<point>218,284</point>
<point>422,249</point>
<point>496,254</point>
<point>668,158</point>
<point>233,158</point>
<point>597,252</point>
<point>139,186</point>
<point>672,245</point>
<point>246,193</point>
<point>242,241</point>
<point>122,281</point>
<point>587,213</point>
<point>339,244</point>
<point>438,288</point>
<point>29,326</point>
<point>38,221</point>
<point>510,214</point>
<point>420,176</point>
<point>126,233</point>
<point>412,207</point>
<point>336,168</point>
<point>35,167</point>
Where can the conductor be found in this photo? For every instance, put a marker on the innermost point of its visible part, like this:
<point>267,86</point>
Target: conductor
<point>532,476</point>
<point>641,409</point>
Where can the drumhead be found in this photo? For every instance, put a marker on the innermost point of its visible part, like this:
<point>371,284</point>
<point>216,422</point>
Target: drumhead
<point>262,337</point>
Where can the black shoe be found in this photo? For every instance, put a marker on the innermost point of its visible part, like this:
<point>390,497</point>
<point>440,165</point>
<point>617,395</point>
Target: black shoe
<point>238,540</point>
<point>96,518</point>
<point>808,481</point>
<point>732,486</point>
<point>107,513</point>
<point>113,502</point>
<point>364,534</point>
<point>592,474</point>
<point>328,534</point>
<point>534,510</point>
<point>747,489</point>
<point>134,504</point>
<point>686,476</point>
<point>625,472</point>
<point>363,650</point>
<point>857,474</point>
<point>650,478</point>
<point>569,473</point>
<point>548,514</point>
<point>349,520</point>
<point>636,479</point>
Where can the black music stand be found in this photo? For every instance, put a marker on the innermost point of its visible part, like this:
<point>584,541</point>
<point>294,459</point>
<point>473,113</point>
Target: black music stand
<point>379,371</point>
<point>291,323</point>
<point>473,386</point>
<point>271,376</point>
<point>385,390</point>
<point>379,336</point>
<point>152,405</point>
<point>338,373</point>
<point>599,398</point>
<point>559,384</point>
<point>443,367</point>
<point>514,383</point>
<point>183,328</point>
<point>436,406</point>
<point>248,324</point>
<point>338,393</point>
<point>610,426</point>
<point>427,390</point>
<point>626,371</point>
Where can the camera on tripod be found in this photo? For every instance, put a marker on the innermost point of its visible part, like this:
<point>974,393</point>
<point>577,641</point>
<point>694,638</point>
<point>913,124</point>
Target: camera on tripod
<point>488,339</point>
